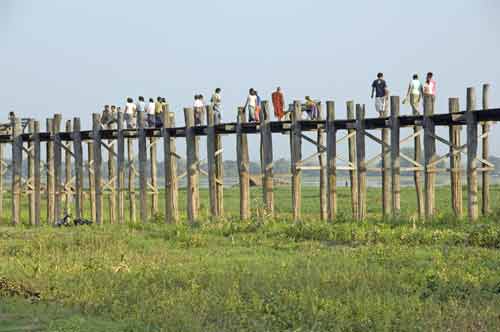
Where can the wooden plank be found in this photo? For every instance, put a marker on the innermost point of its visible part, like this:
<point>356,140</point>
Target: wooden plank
<point>17,157</point>
<point>78,151</point>
<point>486,177</point>
<point>331,150</point>
<point>353,174</point>
<point>266,145</point>
<point>31,175</point>
<point>386,155</point>
<point>455,161</point>
<point>170,164</point>
<point>395,157</point>
<point>243,165</point>
<point>111,179</point>
<point>120,168</point>
<point>97,143</point>
<point>90,147</point>
<point>192,166</point>
<point>212,191</point>
<point>58,180</point>
<point>153,156</point>
<point>323,199</point>
<point>472,182</point>
<point>417,174</point>
<point>50,185</point>
<point>219,174</point>
<point>67,173</point>
<point>360,159</point>
<point>131,181</point>
<point>296,157</point>
<point>37,184</point>
<point>2,170</point>
<point>430,152</point>
<point>143,159</point>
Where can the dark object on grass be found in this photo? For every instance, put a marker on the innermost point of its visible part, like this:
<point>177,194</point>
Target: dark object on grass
<point>66,221</point>
<point>11,288</point>
<point>81,221</point>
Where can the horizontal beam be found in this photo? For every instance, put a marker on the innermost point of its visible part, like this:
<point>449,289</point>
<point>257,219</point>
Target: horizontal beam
<point>446,119</point>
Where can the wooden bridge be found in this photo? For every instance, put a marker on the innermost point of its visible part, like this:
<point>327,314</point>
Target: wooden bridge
<point>69,190</point>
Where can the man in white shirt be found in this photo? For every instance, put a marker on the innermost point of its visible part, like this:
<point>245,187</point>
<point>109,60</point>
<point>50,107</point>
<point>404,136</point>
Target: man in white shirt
<point>130,109</point>
<point>150,110</point>
<point>140,105</point>
<point>251,104</point>
<point>199,108</point>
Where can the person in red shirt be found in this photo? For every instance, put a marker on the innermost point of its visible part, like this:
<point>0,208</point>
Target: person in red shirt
<point>278,103</point>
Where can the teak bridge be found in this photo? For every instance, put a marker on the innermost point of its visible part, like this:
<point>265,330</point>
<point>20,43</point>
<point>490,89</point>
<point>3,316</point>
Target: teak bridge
<point>67,193</point>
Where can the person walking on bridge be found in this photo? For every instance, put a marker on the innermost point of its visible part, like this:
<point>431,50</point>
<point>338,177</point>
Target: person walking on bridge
<point>278,103</point>
<point>199,109</point>
<point>251,104</point>
<point>379,89</point>
<point>430,87</point>
<point>216,102</point>
<point>140,105</point>
<point>414,94</point>
<point>130,109</point>
<point>150,110</point>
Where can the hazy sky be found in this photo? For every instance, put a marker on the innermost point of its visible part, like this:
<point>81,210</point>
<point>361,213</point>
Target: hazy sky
<point>71,57</point>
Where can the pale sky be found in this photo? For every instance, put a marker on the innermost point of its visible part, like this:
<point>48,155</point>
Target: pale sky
<point>71,57</point>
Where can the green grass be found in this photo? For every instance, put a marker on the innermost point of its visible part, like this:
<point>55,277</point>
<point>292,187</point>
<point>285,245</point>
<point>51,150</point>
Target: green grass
<point>283,201</point>
<point>260,275</point>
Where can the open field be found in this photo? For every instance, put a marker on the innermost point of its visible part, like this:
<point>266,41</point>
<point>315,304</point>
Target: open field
<point>260,275</point>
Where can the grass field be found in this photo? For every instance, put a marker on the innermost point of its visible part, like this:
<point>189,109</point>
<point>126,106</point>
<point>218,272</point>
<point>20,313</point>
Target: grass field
<point>259,275</point>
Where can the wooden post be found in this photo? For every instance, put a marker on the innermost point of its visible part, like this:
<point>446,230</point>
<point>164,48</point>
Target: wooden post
<point>120,165</point>
<point>154,179</point>
<point>361,162</point>
<point>50,186</point>
<point>485,208</point>
<point>331,150</point>
<point>212,176</point>
<point>395,158</point>
<point>131,180</point>
<point>31,174</point>
<point>143,159</point>
<point>192,166</point>
<point>77,148</point>
<point>353,173</point>
<point>243,165</point>
<point>266,146</point>
<point>17,157</point>
<point>170,164</point>
<point>417,174</point>
<point>2,170</point>
<point>97,143</point>
<point>111,180</point>
<point>323,199</point>
<point>219,174</point>
<point>472,199</point>
<point>59,187</point>
<point>455,161</point>
<point>296,157</point>
<point>90,146</point>
<point>430,151</point>
<point>36,161</point>
<point>386,165</point>
<point>67,172</point>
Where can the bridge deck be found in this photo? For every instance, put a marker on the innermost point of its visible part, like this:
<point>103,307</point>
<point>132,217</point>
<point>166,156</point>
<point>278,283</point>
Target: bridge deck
<point>445,119</point>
